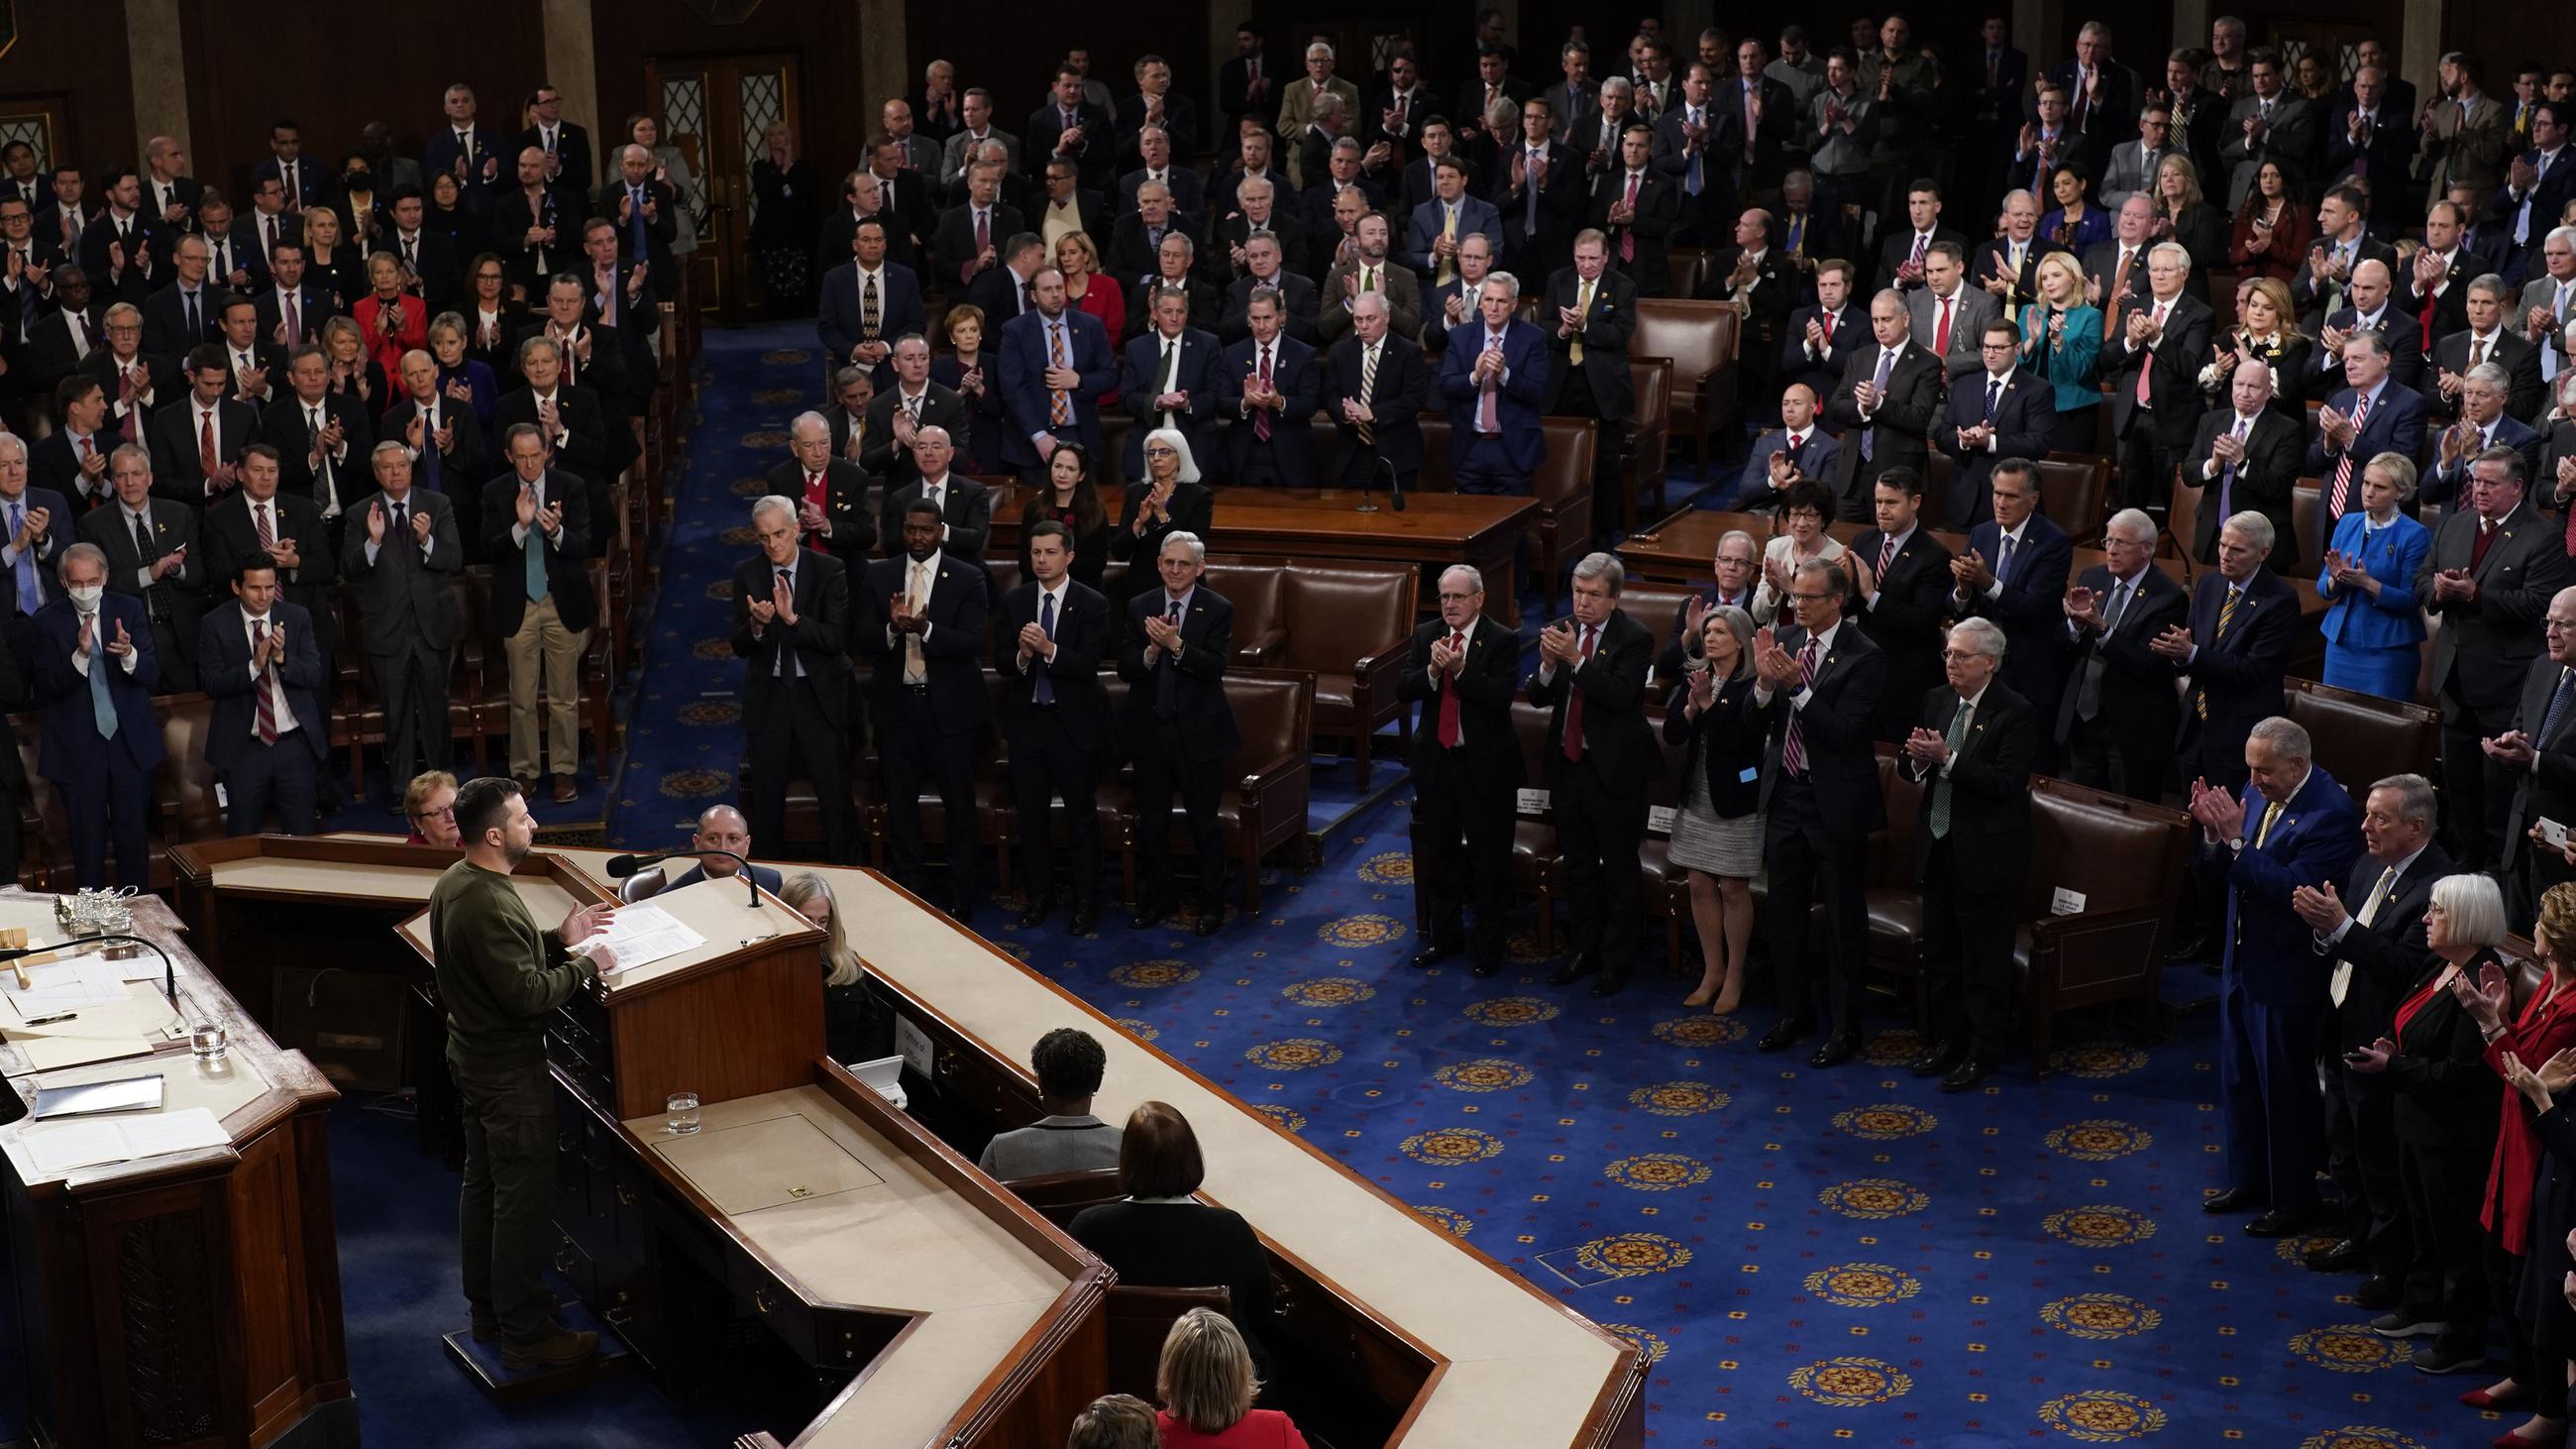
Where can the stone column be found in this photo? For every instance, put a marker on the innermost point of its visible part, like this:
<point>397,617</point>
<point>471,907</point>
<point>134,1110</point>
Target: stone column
<point>572,66</point>
<point>160,74</point>
<point>885,67</point>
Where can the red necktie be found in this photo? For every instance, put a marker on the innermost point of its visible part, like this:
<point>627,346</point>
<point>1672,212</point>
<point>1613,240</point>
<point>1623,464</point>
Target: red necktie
<point>2339,497</point>
<point>206,443</point>
<point>1628,234</point>
<point>2478,550</point>
<point>1261,416</point>
<point>1574,706</point>
<point>2147,368</point>
<point>267,531</point>
<point>1449,735</point>
<point>1941,336</point>
<point>1886,556</point>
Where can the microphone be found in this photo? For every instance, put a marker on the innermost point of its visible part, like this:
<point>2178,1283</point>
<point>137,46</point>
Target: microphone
<point>169,967</point>
<point>622,866</point>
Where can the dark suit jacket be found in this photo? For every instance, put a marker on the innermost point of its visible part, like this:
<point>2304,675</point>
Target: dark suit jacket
<point>1205,718</point>
<point>660,230</point>
<point>572,150</point>
<point>1297,290</point>
<point>1821,372</point>
<point>2549,788</point>
<point>2387,956</point>
<point>953,250</point>
<point>179,596</point>
<point>403,595</point>
<point>952,651</point>
<point>1201,376</point>
<point>1895,247</point>
<point>1081,643</point>
<point>941,407</point>
<point>1521,395</point>
<point>314,306</point>
<point>53,465</point>
<point>2442,483</point>
<point>567,555</point>
<point>1989,793</point>
<point>1189,189</point>
<point>2486,645</point>
<point>2395,425</point>
<point>1191,507</point>
<point>2526,398</point>
<point>845,490</point>
<point>1907,618</point>
<point>1605,333</point>
<point>820,637</point>
<point>2405,350</point>
<point>230,535</point>
<point>1401,388</point>
<point>585,450</point>
<point>2024,416</point>
<point>2239,673</point>
<point>2030,609</point>
<point>966,507</point>
<point>1658,211</point>
<point>1994,259</point>
<point>1898,429</point>
<point>1023,353</point>
<point>177,461</point>
<point>839,320</point>
<point>223,671</point>
<point>2173,368</point>
<point>1133,256</point>
<point>72,752</point>
<point>2271,952</point>
<point>1485,685</point>
<point>2138,704</point>
<point>1834,728</point>
<point>165,320</point>
<point>461,464</point>
<point>2263,482</point>
<point>283,427</point>
<point>1300,385</point>
<point>1616,737</point>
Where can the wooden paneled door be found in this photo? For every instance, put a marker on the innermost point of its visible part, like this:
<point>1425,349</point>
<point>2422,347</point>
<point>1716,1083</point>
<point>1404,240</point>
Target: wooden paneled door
<point>715,109</point>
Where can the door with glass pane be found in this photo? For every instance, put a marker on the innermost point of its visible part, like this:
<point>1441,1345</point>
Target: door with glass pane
<point>715,109</point>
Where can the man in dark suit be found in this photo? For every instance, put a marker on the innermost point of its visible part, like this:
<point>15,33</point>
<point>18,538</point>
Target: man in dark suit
<point>2373,308</point>
<point>566,147</point>
<point>180,316</point>
<point>267,738</point>
<point>1591,313</point>
<point>35,527</point>
<point>2235,649</point>
<point>1054,632</point>
<point>1374,386</point>
<point>1637,207</point>
<point>1134,253</point>
<point>1247,84</point>
<point>150,545</point>
<point>830,494</point>
<point>901,410</point>
<point>1171,378</point>
<point>1698,144</point>
<point>792,630</point>
<point>401,546</point>
<point>2292,826</point>
<point>95,675</point>
<point>570,419</point>
<point>1599,754</point>
<point>1157,107</point>
<point>921,623</point>
<point>2483,424</point>
<point>645,210</point>
<point>2372,933</point>
<point>195,445</point>
<point>1901,252</point>
<point>2370,142</point>
<point>1495,377</point>
<point>2153,371</point>
<point>2245,456</point>
<point>72,460</point>
<point>2115,726</point>
<point>1056,362</point>
<point>444,436</point>
<point>1463,669</point>
<point>73,326</point>
<point>1900,592</point>
<point>2006,267</point>
<point>1819,337</point>
<point>291,310</point>
<point>1538,191</point>
<point>965,243</point>
<point>254,368</point>
<point>1972,751</point>
<point>2486,339</point>
<point>1885,402</point>
<point>868,304</point>
<point>1178,726</point>
<point>2539,755</point>
<point>1263,271</point>
<point>2371,415</point>
<point>1268,386</point>
<point>965,506</point>
<point>2001,411</point>
<point>1797,451</point>
<point>125,252</point>
<point>1820,683</point>
<point>2493,568</point>
<point>1075,129</point>
<point>2115,271</point>
<point>259,518</point>
<point>322,437</point>
<point>536,529</point>
<point>2014,573</point>
<point>2538,184</point>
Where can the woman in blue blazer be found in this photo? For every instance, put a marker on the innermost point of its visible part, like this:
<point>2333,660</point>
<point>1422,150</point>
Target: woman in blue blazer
<point>2060,336</point>
<point>2374,631</point>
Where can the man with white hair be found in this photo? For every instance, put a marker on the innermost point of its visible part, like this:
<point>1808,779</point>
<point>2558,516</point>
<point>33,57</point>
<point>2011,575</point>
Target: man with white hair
<point>2549,302</point>
<point>2372,414</point>
<point>1178,726</point>
<point>2116,725</point>
<point>2290,826</point>
<point>1494,376</point>
<point>2152,365</point>
<point>2483,424</point>
<point>1463,668</point>
<point>791,629</point>
<point>2539,755</point>
<point>95,673</point>
<point>2245,456</point>
<point>2236,650</point>
<point>1298,99</point>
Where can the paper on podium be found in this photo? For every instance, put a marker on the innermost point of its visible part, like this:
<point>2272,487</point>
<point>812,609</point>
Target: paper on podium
<point>57,1150</point>
<point>131,1025</point>
<point>642,935</point>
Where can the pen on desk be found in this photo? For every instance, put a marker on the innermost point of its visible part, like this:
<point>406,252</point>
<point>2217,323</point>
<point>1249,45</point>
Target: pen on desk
<point>50,1020</point>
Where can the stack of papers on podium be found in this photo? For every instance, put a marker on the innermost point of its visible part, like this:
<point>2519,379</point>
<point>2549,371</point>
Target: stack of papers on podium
<point>57,1151</point>
<point>642,935</point>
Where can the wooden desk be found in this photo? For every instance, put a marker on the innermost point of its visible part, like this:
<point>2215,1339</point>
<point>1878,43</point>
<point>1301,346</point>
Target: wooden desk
<point>1465,1351</point>
<point>191,1298</point>
<point>1433,529</point>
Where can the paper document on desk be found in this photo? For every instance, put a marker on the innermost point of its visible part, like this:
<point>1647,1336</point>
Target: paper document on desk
<point>57,1151</point>
<point>65,986</point>
<point>642,935</point>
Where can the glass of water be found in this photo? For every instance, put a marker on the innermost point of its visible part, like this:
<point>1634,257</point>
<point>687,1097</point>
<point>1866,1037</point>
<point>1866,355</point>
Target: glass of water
<point>207,1040</point>
<point>683,1118</point>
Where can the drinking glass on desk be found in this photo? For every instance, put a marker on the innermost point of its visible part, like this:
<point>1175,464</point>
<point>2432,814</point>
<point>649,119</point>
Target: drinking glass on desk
<point>683,1118</point>
<point>208,1041</point>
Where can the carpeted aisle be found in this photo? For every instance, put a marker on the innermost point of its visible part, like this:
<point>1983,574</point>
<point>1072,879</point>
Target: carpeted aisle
<point>1813,1258</point>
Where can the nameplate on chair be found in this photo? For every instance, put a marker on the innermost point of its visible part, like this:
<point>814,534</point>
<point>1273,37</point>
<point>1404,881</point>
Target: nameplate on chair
<point>1532,802</point>
<point>2064,902</point>
<point>1659,819</point>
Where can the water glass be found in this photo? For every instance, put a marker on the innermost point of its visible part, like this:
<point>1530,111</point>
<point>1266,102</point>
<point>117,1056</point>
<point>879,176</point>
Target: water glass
<point>683,1113</point>
<point>208,1040</point>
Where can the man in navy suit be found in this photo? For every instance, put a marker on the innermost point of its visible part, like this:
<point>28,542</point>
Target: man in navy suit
<point>1056,362</point>
<point>2483,424</point>
<point>1637,207</point>
<point>1187,190</point>
<point>791,627</point>
<point>1053,634</point>
<point>38,528</point>
<point>267,738</point>
<point>1464,669</point>
<point>2539,756</point>
<point>2374,414</point>
<point>291,310</point>
<point>2236,651</point>
<point>1795,452</point>
<point>868,304</point>
<point>1264,271</point>
<point>2101,93</point>
<point>1699,145</point>
<point>95,673</point>
<point>1178,726</point>
<point>1268,386</point>
<point>464,150</point>
<point>1900,593</point>
<point>1538,189</point>
<point>1589,315</point>
<point>1819,337</point>
<point>2003,411</point>
<point>2245,457</point>
<point>1171,380</point>
<point>1072,127</point>
<point>2537,187</point>
<point>1432,234</point>
<point>2014,573</point>
<point>1599,754</point>
<point>2292,827</point>
<point>920,620</point>
<point>2373,308</point>
<point>2115,730</point>
<point>1495,378</point>
<point>1375,385</point>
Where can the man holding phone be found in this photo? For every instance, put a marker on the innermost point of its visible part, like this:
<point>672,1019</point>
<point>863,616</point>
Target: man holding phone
<point>2539,755</point>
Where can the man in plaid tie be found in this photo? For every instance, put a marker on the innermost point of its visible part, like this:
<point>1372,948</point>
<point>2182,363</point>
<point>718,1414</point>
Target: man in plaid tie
<point>1056,362</point>
<point>1463,669</point>
<point>267,739</point>
<point>1818,688</point>
<point>1592,677</point>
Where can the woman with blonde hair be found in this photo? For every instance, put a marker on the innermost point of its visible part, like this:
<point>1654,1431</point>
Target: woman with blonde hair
<point>2182,214</point>
<point>2061,335</point>
<point>2267,332</point>
<point>843,1003</point>
<point>1088,289</point>
<point>337,269</point>
<point>1206,1383</point>
<point>1717,833</point>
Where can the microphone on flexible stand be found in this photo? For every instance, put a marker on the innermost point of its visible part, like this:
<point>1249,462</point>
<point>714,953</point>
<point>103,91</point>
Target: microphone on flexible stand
<point>169,967</point>
<point>622,866</point>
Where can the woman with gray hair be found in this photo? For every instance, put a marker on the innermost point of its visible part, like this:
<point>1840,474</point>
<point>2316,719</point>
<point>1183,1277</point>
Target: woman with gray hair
<point>1171,499</point>
<point>1717,832</point>
<point>2373,626</point>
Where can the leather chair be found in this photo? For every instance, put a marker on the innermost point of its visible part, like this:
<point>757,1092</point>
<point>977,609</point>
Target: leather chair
<point>2221,295</point>
<point>1533,837</point>
<point>2124,858</point>
<point>185,809</point>
<point>1689,267</point>
<point>995,824</point>
<point>1351,626</point>
<point>2182,521</point>
<point>1894,894</point>
<point>1654,604</point>
<point>1649,438</point>
<point>1663,887</point>
<point>1139,1319</point>
<point>1060,1197</point>
<point>1257,589</point>
<point>1267,779</point>
<point>1562,530</point>
<point>1700,338</point>
<point>44,833</point>
<point>2075,492</point>
<point>358,710</point>
<point>2361,738</point>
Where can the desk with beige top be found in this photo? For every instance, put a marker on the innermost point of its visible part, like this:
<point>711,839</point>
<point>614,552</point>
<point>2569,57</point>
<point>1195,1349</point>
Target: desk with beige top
<point>930,1305</point>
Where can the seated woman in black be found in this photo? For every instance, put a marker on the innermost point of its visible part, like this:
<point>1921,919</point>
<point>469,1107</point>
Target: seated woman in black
<point>1071,498</point>
<point>1160,1237</point>
<point>1170,500</point>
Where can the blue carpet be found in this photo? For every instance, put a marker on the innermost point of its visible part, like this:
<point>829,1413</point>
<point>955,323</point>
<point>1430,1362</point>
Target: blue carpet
<point>1810,1258</point>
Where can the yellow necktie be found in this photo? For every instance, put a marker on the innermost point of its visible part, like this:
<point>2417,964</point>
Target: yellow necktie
<point>1583,315</point>
<point>2263,833</point>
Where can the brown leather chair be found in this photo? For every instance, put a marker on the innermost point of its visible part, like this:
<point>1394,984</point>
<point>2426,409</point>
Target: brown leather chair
<point>2222,297</point>
<point>1139,1319</point>
<point>1894,894</point>
<point>2360,738</point>
<point>1649,438</point>
<point>1060,1197</point>
<point>2075,492</point>
<point>2182,522</point>
<point>1655,604</point>
<point>184,806</point>
<point>1562,530</point>
<point>1700,338</point>
<point>995,824</point>
<point>2124,857</point>
<point>1257,589</point>
<point>1351,626</point>
<point>1689,268</point>
<point>1005,576</point>
<point>1267,778</point>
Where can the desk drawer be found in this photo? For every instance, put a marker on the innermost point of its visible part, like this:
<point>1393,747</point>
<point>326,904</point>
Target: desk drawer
<point>829,1338</point>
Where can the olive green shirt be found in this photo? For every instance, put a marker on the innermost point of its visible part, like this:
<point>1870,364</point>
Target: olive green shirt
<point>499,972</point>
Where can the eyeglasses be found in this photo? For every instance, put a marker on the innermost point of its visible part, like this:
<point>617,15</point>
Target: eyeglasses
<point>1960,656</point>
<point>443,812</point>
<point>1162,452</point>
<point>1809,598</point>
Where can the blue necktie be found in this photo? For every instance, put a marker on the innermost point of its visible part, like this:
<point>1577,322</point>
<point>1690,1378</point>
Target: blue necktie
<point>1692,184</point>
<point>30,596</point>
<point>101,708</point>
<point>536,552</point>
<point>2557,707</point>
<point>635,219</point>
<point>1044,692</point>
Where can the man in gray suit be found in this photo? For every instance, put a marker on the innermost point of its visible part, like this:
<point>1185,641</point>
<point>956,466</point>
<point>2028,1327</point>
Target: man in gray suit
<point>1945,290</point>
<point>2275,123</point>
<point>2548,302</point>
<point>2133,163</point>
<point>977,106</point>
<point>402,546</point>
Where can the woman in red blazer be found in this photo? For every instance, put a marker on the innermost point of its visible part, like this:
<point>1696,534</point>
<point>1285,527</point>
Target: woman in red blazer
<point>1205,1382</point>
<point>393,321</point>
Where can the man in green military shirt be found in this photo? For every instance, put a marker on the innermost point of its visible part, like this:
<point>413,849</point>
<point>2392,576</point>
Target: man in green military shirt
<point>499,976</point>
